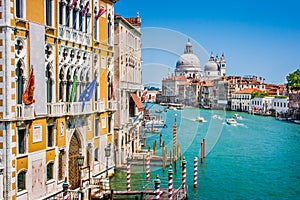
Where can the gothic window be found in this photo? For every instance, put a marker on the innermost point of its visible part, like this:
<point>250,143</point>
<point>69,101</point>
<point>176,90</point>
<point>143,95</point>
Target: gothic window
<point>21,180</point>
<point>49,12</point>
<point>67,14</point>
<point>74,18</point>
<point>86,18</point>
<point>61,11</point>
<point>61,84</point>
<point>20,81</point>
<point>81,19</point>
<point>19,8</point>
<point>95,24</point>
<point>68,85</point>
<point>50,171</point>
<point>49,83</point>
<point>21,141</point>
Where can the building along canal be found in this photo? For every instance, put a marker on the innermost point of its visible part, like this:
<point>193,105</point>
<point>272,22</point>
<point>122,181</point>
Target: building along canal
<point>257,158</point>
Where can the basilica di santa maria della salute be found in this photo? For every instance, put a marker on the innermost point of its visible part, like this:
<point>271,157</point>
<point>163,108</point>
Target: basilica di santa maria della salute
<point>190,85</point>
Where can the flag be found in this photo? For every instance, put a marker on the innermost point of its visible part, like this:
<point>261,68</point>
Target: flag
<point>100,12</point>
<point>73,92</point>
<point>72,4</point>
<point>87,94</point>
<point>83,12</point>
<point>27,96</point>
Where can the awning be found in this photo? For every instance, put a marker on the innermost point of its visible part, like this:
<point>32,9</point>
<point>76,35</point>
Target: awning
<point>137,101</point>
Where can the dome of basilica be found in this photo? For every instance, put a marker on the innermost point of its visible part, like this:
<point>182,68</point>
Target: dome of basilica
<point>188,59</point>
<point>211,66</point>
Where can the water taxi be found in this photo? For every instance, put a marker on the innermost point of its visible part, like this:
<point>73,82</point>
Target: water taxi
<point>231,121</point>
<point>200,119</point>
<point>237,116</point>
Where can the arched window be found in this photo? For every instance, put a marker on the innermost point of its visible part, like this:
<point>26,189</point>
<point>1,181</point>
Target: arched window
<point>61,11</point>
<point>74,18</point>
<point>68,85</point>
<point>50,171</point>
<point>67,14</point>
<point>49,83</point>
<point>21,180</point>
<point>61,84</point>
<point>20,81</point>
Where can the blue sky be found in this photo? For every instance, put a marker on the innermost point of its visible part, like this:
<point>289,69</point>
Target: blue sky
<point>257,37</point>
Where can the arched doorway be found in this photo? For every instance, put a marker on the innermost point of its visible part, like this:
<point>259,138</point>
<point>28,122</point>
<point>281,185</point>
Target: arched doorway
<point>74,148</point>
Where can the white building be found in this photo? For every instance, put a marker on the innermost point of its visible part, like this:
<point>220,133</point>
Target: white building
<point>128,80</point>
<point>281,104</point>
<point>261,104</point>
<point>241,100</point>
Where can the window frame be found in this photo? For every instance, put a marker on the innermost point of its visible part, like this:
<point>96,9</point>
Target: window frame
<point>23,129</point>
<point>49,14</point>
<point>23,173</point>
<point>50,168</point>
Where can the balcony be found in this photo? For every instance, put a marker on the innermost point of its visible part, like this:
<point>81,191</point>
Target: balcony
<point>24,112</point>
<point>100,106</point>
<point>112,105</point>
<point>72,35</point>
<point>67,108</point>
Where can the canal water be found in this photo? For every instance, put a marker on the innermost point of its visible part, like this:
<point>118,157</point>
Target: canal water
<point>259,158</point>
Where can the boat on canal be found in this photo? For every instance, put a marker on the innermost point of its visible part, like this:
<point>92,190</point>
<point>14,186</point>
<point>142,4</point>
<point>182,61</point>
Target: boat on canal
<point>231,121</point>
<point>237,116</point>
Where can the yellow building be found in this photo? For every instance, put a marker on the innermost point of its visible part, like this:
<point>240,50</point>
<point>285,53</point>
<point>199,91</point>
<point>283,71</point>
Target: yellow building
<point>67,44</point>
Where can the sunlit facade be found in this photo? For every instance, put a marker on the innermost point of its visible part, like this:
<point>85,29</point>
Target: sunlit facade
<point>68,44</point>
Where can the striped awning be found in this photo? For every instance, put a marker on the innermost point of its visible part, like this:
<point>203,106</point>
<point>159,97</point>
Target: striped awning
<point>137,101</point>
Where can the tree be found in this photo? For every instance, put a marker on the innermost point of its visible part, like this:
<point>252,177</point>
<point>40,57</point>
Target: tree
<point>293,80</point>
<point>259,94</point>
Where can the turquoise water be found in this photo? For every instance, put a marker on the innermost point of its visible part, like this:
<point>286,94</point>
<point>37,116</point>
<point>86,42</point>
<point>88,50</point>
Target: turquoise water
<point>259,158</point>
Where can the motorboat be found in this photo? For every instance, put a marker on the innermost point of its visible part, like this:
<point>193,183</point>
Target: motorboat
<point>237,116</point>
<point>231,121</point>
<point>297,121</point>
<point>200,119</point>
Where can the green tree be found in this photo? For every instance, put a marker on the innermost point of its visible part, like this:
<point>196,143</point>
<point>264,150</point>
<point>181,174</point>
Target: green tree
<point>293,80</point>
<point>259,94</point>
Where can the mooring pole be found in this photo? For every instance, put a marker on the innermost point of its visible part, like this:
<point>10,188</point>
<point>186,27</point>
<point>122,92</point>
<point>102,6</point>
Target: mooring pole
<point>170,192</point>
<point>195,172</point>
<point>148,165</point>
<point>128,173</point>
<point>157,187</point>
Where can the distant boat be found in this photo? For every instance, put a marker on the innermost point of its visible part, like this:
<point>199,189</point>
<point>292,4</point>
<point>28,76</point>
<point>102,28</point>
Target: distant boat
<point>231,121</point>
<point>297,121</point>
<point>217,117</point>
<point>156,130</point>
<point>158,111</point>
<point>200,119</point>
<point>237,116</point>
